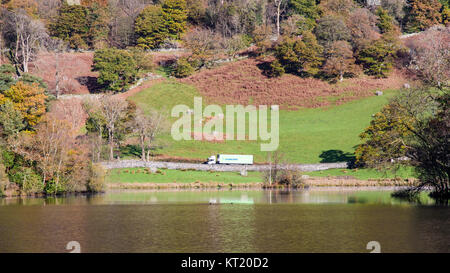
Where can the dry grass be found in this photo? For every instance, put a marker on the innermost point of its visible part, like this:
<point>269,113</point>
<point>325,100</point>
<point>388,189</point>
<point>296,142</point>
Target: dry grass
<point>76,75</point>
<point>243,82</point>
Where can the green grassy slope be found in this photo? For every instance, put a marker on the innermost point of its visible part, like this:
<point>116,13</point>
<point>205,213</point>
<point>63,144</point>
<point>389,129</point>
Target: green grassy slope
<point>306,136</point>
<point>138,175</point>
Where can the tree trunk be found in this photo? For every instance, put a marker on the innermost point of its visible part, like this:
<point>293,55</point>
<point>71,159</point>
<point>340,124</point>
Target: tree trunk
<point>143,148</point>
<point>278,18</point>
<point>111,145</point>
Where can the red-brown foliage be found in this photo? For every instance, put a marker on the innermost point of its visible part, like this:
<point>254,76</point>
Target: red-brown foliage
<point>243,82</point>
<point>75,71</point>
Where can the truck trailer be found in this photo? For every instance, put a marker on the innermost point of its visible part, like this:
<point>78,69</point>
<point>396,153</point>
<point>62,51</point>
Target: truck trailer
<point>231,159</point>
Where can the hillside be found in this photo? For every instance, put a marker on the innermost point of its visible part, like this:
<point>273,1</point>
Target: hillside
<point>342,111</point>
<point>325,134</point>
<point>243,82</point>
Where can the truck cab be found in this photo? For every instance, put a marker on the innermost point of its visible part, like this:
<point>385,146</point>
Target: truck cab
<point>211,160</point>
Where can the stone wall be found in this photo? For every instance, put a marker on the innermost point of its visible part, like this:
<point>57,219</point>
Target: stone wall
<point>219,168</point>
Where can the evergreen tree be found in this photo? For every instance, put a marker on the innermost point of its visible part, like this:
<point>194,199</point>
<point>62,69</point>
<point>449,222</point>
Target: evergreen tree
<point>385,21</point>
<point>300,55</point>
<point>378,57</point>
<point>150,27</point>
<point>117,68</point>
<point>174,13</point>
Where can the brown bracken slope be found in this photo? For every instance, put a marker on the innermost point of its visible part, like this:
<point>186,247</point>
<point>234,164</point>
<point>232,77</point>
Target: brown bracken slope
<point>243,82</point>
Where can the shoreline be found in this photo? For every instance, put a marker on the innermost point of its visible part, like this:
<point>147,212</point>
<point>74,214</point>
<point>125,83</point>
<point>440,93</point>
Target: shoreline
<point>318,182</point>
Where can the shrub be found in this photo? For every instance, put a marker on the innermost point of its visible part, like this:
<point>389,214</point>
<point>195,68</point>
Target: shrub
<point>31,182</point>
<point>96,182</point>
<point>291,178</point>
<point>183,68</point>
<point>276,69</point>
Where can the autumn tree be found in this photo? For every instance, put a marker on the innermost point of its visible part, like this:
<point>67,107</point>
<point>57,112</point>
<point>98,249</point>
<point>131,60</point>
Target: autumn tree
<point>340,60</point>
<point>58,157</point>
<point>201,41</point>
<point>48,9</point>
<point>363,30</point>
<point>385,138</point>
<point>29,100</point>
<point>295,25</point>
<point>430,56</point>
<point>422,14</point>
<point>337,7</point>
<point>48,147</point>
<point>300,55</point>
<point>30,6</point>
<point>413,129</point>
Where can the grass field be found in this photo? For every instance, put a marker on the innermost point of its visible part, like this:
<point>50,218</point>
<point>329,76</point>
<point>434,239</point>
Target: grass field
<point>310,135</point>
<point>139,175</point>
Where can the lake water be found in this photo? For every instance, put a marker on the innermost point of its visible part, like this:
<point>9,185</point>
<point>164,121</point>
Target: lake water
<point>315,220</point>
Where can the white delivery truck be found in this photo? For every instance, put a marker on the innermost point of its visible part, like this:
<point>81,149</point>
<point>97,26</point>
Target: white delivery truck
<point>231,159</point>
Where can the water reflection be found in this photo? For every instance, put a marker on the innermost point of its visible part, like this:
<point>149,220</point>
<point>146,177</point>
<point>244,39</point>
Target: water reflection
<point>308,196</point>
<point>216,197</point>
<point>315,220</point>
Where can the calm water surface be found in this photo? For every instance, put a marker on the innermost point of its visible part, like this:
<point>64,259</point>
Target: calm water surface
<point>315,220</point>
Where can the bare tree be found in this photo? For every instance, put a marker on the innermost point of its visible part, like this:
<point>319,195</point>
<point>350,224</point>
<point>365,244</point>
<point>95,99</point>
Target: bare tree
<point>48,9</point>
<point>201,41</point>
<point>113,109</point>
<point>57,47</point>
<point>148,127</point>
<point>27,37</point>
<point>49,147</point>
<point>281,6</point>
<point>430,56</point>
<point>123,14</point>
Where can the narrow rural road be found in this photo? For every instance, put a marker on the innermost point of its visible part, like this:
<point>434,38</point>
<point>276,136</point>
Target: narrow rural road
<point>219,168</point>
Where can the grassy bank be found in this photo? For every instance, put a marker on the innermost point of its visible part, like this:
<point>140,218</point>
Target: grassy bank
<point>306,135</point>
<point>142,178</point>
<point>364,174</point>
<point>141,175</point>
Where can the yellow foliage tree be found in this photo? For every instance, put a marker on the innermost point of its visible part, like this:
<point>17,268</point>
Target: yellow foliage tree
<point>28,99</point>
